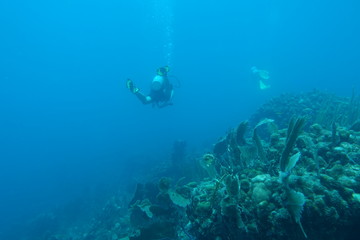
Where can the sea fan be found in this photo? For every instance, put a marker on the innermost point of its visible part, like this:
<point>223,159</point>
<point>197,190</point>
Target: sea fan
<point>294,130</point>
<point>295,205</point>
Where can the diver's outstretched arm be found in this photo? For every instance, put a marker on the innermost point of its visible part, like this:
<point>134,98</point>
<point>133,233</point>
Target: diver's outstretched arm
<point>133,89</point>
<point>143,98</point>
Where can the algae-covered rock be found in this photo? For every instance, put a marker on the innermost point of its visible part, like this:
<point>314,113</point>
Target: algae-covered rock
<point>232,185</point>
<point>356,197</point>
<point>178,199</point>
<point>245,185</point>
<point>260,193</point>
<point>260,178</point>
<point>164,184</point>
<point>316,129</point>
<point>203,209</point>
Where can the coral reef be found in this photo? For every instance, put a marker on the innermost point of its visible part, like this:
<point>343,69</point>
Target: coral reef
<point>318,107</point>
<point>292,178</point>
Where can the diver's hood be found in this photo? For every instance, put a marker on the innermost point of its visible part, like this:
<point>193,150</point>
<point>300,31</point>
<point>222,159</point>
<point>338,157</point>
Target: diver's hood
<point>163,71</point>
<point>157,83</point>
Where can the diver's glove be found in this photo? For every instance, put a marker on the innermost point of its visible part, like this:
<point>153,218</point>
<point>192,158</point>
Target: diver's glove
<point>131,87</point>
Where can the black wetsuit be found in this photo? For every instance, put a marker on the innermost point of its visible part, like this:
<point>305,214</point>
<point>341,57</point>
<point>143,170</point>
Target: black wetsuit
<point>159,98</point>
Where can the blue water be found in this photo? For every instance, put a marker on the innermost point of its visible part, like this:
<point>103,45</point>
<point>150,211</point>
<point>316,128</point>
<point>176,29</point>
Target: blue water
<point>67,121</point>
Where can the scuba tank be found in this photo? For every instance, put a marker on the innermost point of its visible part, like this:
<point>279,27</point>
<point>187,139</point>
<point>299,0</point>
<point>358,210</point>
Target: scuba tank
<point>157,83</point>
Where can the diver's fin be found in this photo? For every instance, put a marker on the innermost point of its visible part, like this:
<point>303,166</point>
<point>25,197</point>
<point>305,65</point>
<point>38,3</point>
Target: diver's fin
<point>131,87</point>
<point>263,86</point>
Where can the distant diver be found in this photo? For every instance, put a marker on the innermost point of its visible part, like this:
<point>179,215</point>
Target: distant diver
<point>161,92</point>
<point>262,76</point>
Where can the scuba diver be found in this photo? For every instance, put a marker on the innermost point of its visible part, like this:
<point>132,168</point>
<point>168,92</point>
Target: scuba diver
<point>161,90</point>
<point>262,76</point>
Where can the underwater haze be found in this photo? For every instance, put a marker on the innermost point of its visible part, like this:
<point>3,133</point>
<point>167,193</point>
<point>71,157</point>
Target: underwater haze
<point>69,124</point>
